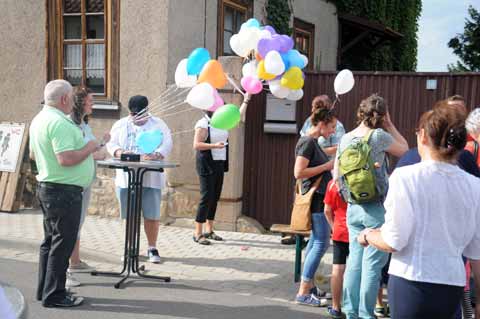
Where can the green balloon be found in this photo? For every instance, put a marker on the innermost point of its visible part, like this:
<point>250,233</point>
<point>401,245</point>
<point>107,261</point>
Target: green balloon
<point>226,117</point>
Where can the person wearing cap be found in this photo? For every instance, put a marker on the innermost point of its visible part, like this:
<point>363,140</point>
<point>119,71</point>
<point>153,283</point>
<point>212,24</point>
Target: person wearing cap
<point>65,167</point>
<point>123,140</point>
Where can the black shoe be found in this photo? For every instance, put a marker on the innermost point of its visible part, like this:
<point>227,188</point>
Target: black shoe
<point>67,301</point>
<point>211,235</point>
<point>290,240</point>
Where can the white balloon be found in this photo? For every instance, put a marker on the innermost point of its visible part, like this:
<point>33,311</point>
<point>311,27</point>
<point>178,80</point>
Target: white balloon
<point>238,45</point>
<point>278,90</point>
<point>305,60</point>
<point>274,63</point>
<point>182,78</point>
<point>250,69</point>
<point>265,34</point>
<point>250,37</point>
<point>201,96</point>
<point>295,95</point>
<point>344,82</point>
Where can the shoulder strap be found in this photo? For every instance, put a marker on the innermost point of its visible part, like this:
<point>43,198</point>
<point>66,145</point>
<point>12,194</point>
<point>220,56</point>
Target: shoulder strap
<point>366,138</point>
<point>475,150</point>
<point>208,129</point>
<point>316,184</point>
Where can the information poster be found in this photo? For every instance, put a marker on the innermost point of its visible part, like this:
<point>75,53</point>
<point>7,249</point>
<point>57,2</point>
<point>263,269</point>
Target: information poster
<point>11,135</point>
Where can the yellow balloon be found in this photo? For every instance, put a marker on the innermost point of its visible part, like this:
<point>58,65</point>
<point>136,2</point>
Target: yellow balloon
<point>293,78</point>
<point>262,74</point>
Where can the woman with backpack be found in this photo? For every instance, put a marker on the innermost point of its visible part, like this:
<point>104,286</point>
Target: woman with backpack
<point>312,168</point>
<point>433,217</point>
<point>211,163</point>
<point>365,187</point>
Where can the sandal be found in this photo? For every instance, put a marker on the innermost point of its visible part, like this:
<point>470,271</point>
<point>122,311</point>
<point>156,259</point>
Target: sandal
<point>381,311</point>
<point>212,236</point>
<point>202,240</point>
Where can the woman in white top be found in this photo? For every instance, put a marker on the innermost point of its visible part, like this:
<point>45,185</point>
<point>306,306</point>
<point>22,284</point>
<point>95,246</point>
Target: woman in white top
<point>211,163</point>
<point>432,218</point>
<point>82,108</point>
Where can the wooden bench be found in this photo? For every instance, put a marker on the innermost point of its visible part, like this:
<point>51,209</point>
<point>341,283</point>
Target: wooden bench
<point>299,236</point>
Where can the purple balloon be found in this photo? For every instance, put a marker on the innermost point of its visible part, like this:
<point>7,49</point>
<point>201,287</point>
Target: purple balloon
<point>286,43</point>
<point>266,45</point>
<point>270,29</point>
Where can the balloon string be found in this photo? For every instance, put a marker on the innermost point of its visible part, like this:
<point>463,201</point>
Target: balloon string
<point>170,105</point>
<point>159,104</point>
<point>149,115</point>
<point>160,111</point>
<point>232,82</point>
<point>181,132</point>
<point>167,100</point>
<point>168,91</point>
<point>337,99</point>
<point>177,99</point>
<point>179,112</point>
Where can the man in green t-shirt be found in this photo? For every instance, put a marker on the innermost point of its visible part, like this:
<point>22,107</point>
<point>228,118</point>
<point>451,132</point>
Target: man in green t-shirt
<point>65,166</point>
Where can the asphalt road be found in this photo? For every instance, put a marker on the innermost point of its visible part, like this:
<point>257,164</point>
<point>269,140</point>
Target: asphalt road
<point>149,299</point>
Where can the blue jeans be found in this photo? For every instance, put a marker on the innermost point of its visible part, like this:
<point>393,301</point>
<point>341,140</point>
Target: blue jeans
<point>364,265</point>
<point>317,245</point>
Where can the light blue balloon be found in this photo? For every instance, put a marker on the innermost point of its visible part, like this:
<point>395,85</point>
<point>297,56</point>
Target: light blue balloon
<point>252,23</point>
<point>149,141</point>
<point>196,60</point>
<point>295,59</point>
<point>285,60</point>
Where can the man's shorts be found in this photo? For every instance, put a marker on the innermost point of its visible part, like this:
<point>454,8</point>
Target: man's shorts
<point>151,198</point>
<point>340,252</point>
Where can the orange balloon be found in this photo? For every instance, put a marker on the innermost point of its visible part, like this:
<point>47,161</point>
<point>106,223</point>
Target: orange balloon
<point>213,73</point>
<point>262,74</point>
<point>258,57</point>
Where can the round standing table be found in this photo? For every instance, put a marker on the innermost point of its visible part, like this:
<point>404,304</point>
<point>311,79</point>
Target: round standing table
<point>136,172</point>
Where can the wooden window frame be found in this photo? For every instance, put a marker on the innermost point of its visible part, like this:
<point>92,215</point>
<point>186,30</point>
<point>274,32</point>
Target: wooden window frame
<point>55,50</point>
<point>239,5</point>
<point>306,28</point>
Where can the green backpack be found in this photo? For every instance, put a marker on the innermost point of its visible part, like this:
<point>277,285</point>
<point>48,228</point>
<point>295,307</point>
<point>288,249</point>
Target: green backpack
<point>358,171</point>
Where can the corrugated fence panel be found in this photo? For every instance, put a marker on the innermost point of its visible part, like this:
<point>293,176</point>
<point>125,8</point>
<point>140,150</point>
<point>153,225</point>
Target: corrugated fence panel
<point>269,158</point>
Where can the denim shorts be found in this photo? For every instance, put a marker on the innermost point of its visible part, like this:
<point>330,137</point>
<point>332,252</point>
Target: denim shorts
<point>151,199</point>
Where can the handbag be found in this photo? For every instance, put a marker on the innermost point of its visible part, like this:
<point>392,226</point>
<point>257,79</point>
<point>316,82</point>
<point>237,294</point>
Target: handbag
<point>301,219</point>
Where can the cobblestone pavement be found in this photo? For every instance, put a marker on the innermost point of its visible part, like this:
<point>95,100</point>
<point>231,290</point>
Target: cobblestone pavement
<point>246,264</point>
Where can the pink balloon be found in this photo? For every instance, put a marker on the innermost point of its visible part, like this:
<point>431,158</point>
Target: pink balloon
<point>251,85</point>
<point>218,102</point>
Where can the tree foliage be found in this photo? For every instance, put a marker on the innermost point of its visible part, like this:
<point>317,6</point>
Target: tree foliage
<point>279,13</point>
<point>466,45</point>
<point>399,15</point>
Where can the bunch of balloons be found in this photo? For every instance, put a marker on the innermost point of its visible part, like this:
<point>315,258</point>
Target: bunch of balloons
<point>269,59</point>
<point>205,75</point>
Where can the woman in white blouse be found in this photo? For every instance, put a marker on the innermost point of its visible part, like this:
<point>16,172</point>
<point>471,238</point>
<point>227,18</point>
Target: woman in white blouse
<point>211,162</point>
<point>432,218</point>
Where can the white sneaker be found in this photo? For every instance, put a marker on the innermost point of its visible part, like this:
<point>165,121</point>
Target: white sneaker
<point>71,281</point>
<point>81,267</point>
<point>153,255</point>
<point>323,302</point>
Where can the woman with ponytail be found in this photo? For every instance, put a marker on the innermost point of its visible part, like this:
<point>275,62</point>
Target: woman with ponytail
<point>312,163</point>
